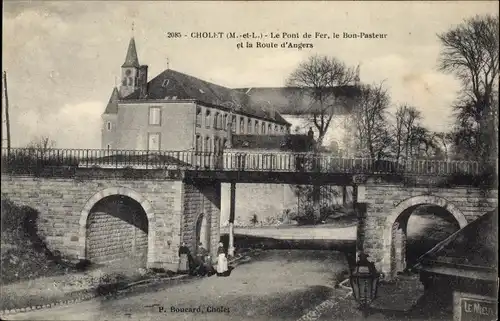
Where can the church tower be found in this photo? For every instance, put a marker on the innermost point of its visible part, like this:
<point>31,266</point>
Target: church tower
<point>130,71</point>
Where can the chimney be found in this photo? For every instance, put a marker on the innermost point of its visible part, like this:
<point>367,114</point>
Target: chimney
<point>143,81</point>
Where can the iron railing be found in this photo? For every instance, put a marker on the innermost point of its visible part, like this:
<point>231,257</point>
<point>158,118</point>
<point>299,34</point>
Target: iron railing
<point>26,159</point>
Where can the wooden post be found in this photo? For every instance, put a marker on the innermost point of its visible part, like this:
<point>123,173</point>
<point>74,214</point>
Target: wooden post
<point>7,118</point>
<point>231,219</point>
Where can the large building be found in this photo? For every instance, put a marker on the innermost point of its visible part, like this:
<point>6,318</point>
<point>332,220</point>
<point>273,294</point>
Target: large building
<point>177,112</point>
<point>297,108</point>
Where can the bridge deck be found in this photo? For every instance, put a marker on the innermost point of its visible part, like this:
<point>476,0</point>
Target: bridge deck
<point>233,166</point>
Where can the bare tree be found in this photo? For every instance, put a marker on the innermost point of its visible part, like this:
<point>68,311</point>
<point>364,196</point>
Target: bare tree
<point>470,52</point>
<point>407,120</point>
<point>369,120</point>
<point>444,140</point>
<point>323,85</point>
<point>41,145</point>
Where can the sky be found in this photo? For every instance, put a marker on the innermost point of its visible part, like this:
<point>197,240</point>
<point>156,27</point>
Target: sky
<point>63,58</point>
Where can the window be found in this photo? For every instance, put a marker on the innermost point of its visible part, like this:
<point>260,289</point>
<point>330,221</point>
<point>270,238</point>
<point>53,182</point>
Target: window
<point>154,141</point>
<point>276,128</point>
<point>224,121</point>
<point>216,120</point>
<point>256,126</point>
<point>242,125</point>
<point>154,115</point>
<point>198,117</point>
<point>207,119</point>
<point>216,145</point>
<point>130,81</point>
<point>233,124</point>
<point>263,130</point>
<point>249,126</point>
<point>108,125</point>
<point>108,146</point>
<point>198,143</point>
<point>124,81</point>
<point>269,129</point>
<point>282,129</point>
<point>224,143</point>
<point>208,145</point>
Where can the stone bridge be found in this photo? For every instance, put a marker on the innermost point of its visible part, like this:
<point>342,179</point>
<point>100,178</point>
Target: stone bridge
<point>106,214</point>
<point>384,211</point>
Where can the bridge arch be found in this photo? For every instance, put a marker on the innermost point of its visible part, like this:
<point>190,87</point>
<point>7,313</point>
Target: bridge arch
<point>394,235</point>
<point>117,191</point>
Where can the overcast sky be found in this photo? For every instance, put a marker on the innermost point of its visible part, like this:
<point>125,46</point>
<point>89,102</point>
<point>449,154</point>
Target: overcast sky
<point>62,57</point>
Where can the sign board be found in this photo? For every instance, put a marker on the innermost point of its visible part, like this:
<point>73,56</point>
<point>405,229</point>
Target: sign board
<point>477,310</point>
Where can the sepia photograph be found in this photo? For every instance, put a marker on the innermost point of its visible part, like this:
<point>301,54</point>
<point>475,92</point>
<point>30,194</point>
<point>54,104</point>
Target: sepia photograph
<point>249,160</point>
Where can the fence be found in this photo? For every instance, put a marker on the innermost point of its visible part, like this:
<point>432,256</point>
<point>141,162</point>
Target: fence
<point>33,160</point>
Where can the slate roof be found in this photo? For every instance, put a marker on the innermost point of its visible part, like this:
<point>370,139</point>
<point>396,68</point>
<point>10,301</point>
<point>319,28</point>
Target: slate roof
<point>295,143</point>
<point>112,106</point>
<point>296,101</point>
<point>171,84</point>
<point>131,60</point>
<point>476,244</point>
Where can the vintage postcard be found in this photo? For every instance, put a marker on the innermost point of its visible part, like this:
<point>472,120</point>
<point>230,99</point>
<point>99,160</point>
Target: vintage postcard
<point>241,160</point>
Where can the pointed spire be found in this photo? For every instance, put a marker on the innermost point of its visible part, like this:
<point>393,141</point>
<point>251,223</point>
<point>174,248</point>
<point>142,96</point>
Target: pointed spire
<point>131,60</point>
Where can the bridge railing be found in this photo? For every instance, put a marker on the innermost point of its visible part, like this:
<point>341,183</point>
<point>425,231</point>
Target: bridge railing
<point>29,160</point>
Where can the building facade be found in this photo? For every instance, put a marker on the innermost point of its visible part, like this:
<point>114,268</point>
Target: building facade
<point>177,112</point>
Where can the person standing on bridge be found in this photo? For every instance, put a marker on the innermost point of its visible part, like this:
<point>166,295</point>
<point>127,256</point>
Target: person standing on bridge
<point>222,260</point>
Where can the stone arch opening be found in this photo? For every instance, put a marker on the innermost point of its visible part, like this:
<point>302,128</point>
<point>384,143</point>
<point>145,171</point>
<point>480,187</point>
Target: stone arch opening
<point>434,220</point>
<point>116,226</point>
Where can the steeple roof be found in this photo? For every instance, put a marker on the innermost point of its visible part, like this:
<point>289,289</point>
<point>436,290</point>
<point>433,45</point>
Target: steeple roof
<point>131,60</point>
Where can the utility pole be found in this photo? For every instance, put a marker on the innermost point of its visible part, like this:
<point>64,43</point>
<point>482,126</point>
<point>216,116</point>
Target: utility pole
<point>7,120</point>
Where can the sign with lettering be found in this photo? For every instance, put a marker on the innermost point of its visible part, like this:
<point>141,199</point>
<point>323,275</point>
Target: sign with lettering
<point>477,310</point>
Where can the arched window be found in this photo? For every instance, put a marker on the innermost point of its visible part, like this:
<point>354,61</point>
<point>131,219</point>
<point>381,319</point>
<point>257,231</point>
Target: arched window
<point>216,120</point>
<point>207,119</point>
<point>233,124</point>
<point>208,145</point>
<point>198,147</point>
<point>216,145</point>
<point>108,125</point>
<point>249,127</point>
<point>130,81</point>
<point>224,120</point>
<point>224,143</point>
<point>242,125</point>
<point>198,116</point>
<point>276,128</point>
<point>124,81</point>
<point>263,130</point>
<point>256,126</point>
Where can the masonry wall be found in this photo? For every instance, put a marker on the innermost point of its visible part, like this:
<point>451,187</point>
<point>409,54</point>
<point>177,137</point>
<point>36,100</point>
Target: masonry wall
<point>60,201</point>
<point>201,199</point>
<point>382,200</point>
<point>176,129</point>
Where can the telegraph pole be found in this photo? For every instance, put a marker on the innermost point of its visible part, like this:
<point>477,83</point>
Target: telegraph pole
<point>7,119</point>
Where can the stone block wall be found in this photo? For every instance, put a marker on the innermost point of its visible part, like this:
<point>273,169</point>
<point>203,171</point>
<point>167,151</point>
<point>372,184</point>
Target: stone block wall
<point>64,204</point>
<point>387,204</point>
<point>201,201</point>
